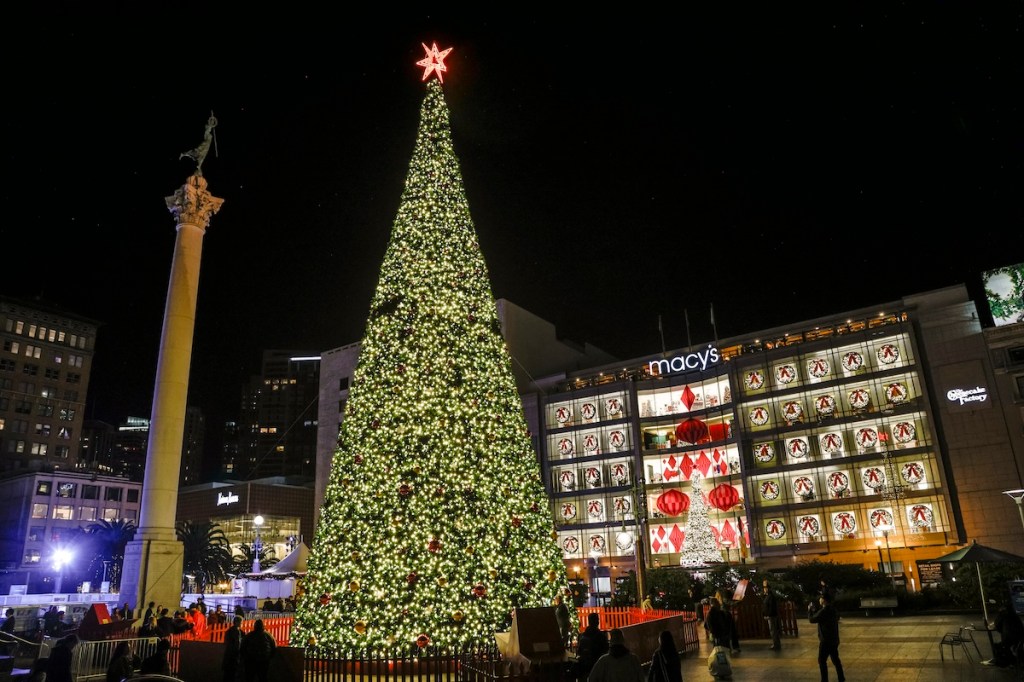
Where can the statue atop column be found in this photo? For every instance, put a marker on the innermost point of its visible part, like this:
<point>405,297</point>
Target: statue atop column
<point>199,153</point>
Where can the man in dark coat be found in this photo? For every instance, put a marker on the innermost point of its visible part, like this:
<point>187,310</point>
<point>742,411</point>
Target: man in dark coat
<point>770,611</point>
<point>827,618</point>
<point>232,646</point>
<point>256,650</point>
<point>8,625</point>
<point>593,644</point>
<point>165,624</point>
<point>564,621</point>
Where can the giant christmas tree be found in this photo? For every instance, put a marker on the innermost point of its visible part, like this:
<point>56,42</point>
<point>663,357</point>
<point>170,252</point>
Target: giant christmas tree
<point>699,546</point>
<point>435,523</point>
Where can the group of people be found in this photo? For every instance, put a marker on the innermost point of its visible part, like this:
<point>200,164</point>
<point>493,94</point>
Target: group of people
<point>279,605</point>
<point>604,657</point>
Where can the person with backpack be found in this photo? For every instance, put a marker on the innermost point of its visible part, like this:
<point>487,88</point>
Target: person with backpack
<point>255,652</point>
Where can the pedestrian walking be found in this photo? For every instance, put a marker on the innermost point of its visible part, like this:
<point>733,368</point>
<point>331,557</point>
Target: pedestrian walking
<point>827,618</point>
<point>232,646</point>
<point>592,645</point>
<point>770,611</point>
<point>58,669</point>
<point>256,650</point>
<point>619,664</point>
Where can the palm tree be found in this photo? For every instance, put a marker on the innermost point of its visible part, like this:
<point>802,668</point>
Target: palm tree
<point>207,553</point>
<point>242,560</point>
<point>108,540</point>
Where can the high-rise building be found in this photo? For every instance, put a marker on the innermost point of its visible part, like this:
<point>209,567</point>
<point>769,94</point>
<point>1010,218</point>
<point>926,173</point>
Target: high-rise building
<point>278,425</point>
<point>45,361</point>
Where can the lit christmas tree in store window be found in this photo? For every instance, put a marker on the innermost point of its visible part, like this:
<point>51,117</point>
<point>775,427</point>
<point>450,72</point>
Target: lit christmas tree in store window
<point>435,523</point>
<point>699,546</point>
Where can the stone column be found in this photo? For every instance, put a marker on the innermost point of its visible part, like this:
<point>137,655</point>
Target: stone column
<point>153,560</point>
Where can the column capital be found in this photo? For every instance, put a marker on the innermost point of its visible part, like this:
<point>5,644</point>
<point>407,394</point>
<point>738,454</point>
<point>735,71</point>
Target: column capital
<point>192,204</point>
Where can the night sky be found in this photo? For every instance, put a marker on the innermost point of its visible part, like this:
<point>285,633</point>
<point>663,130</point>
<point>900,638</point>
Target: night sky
<point>782,167</point>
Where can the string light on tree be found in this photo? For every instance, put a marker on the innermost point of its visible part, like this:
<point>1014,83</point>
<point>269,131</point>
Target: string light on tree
<point>699,546</point>
<point>435,521</point>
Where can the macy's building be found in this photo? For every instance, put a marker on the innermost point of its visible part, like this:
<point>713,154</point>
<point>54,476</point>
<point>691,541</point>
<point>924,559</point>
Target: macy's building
<point>894,428</point>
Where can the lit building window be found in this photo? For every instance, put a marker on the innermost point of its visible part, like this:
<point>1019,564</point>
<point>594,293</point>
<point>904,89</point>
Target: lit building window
<point>63,512</point>
<point>39,511</point>
<point>110,514</point>
<point>32,556</point>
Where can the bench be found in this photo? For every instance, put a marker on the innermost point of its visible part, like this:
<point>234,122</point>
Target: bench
<point>868,603</point>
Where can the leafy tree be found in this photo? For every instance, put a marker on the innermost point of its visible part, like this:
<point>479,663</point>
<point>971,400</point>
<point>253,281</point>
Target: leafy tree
<point>207,553</point>
<point>964,590</point>
<point>107,540</point>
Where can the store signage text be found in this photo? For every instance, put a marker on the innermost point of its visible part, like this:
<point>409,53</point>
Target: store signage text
<point>699,360</point>
<point>967,395</point>
<point>226,498</point>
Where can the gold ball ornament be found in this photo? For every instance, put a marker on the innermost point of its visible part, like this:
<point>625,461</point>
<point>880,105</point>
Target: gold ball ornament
<point>353,586</point>
<point>458,616</point>
<point>552,576</point>
<point>493,573</point>
<point>356,556</point>
<point>311,641</point>
<point>442,581</point>
<point>360,627</point>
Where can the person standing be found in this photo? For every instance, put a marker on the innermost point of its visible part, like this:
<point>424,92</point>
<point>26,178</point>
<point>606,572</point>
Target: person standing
<point>1011,633</point>
<point>58,669</point>
<point>256,650</point>
<point>826,589</point>
<point>770,611</point>
<point>592,645</point>
<point>150,611</point>
<point>8,625</point>
<point>158,663</point>
<point>122,663</point>
<point>232,645</point>
<point>647,604</point>
<point>619,664</point>
<point>562,616</point>
<point>827,618</point>
<point>665,664</point>
<point>718,623</point>
<point>126,611</point>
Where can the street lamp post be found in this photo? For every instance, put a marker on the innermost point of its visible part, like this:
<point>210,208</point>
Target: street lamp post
<point>257,544</point>
<point>727,544</point>
<point>1018,497</point>
<point>888,550</point>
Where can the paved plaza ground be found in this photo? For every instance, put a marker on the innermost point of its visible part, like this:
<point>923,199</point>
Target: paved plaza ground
<point>897,648</point>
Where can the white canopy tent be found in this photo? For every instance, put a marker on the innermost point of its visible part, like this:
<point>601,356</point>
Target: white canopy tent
<point>276,581</point>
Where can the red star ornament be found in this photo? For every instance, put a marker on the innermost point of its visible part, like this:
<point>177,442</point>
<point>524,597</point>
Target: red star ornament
<point>434,61</point>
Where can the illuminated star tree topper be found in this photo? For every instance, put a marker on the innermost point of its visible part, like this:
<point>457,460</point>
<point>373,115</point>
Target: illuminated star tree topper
<point>434,61</point>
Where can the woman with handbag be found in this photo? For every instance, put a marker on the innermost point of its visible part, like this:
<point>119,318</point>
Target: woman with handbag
<point>665,665</point>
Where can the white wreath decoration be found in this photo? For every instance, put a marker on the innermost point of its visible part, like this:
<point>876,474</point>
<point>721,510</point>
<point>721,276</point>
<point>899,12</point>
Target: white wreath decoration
<point>818,368</point>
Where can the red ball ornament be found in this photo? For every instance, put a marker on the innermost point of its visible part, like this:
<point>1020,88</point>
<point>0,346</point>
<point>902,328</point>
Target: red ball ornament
<point>325,599</point>
<point>412,578</point>
<point>405,490</point>
<point>359,459</point>
<point>693,431</point>
<point>528,585</point>
<point>535,507</point>
<point>423,641</point>
<point>439,491</point>
<point>400,369</point>
<point>375,424</point>
<point>479,590</point>
<point>724,497</point>
<point>517,522</point>
<point>435,546</point>
<point>672,502</point>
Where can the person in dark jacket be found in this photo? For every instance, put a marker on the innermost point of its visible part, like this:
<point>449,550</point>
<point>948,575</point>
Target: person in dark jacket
<point>8,625</point>
<point>665,664</point>
<point>770,611</point>
<point>719,624</point>
<point>122,663</point>
<point>58,669</point>
<point>232,645</point>
<point>1011,634</point>
<point>150,611</point>
<point>562,616</point>
<point>827,618</point>
<point>592,645</point>
<point>256,650</point>
<point>619,664</point>
<point>158,663</point>
<point>165,624</point>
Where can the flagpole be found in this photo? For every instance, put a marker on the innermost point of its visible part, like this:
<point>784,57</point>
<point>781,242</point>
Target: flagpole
<point>689,342</point>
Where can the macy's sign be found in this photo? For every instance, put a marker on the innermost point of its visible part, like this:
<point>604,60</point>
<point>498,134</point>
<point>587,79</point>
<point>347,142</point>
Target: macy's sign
<point>700,360</point>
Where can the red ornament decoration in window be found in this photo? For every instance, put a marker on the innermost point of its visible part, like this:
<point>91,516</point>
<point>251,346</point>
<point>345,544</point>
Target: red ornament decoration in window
<point>622,505</point>
<point>565,447</point>
<point>764,452</point>
<point>808,526</point>
<point>825,405</point>
<point>853,361</point>
<point>838,482</point>
<point>673,502</point>
<point>867,437</point>
<point>592,475</point>
<point>785,374</point>
<point>904,432</point>
<point>880,519</point>
<point>693,431</point>
<point>591,442</point>
<point>754,379</point>
<point>831,443</point>
<point>724,497</point>
<point>758,416</point>
<point>570,545</point>
<point>595,509</point>
<point>859,398</point>
<point>797,448</point>
<point>775,528</point>
<point>685,466</point>
<point>563,414</point>
<point>792,410</point>
<point>769,490</point>
<point>620,473</point>
<point>588,410</point>
<point>703,464</point>
<point>617,439</point>
<point>597,544</point>
<point>844,522</point>
<point>920,516</point>
<point>818,368</point>
<point>888,354</point>
<point>687,397</point>
<point>613,407</point>
<point>567,479</point>
<point>873,478</point>
<point>896,393</point>
<point>912,472</point>
<point>804,487</point>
